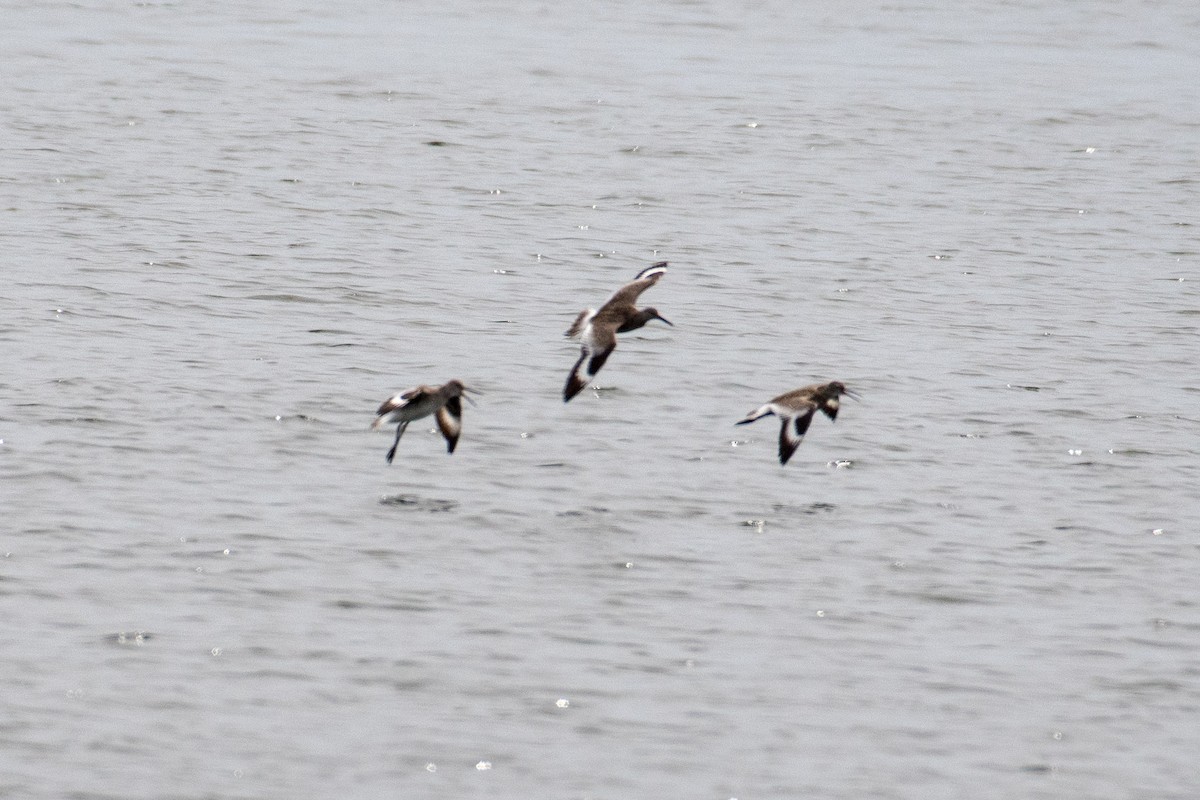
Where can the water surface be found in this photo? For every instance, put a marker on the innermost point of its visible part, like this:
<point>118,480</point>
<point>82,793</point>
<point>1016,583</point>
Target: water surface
<point>231,231</point>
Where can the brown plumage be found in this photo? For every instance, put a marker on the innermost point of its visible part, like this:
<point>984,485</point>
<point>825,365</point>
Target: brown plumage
<point>795,410</point>
<point>442,401</point>
<point>597,330</point>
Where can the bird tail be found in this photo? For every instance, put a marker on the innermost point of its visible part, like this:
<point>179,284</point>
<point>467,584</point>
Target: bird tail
<point>764,411</point>
<point>580,323</point>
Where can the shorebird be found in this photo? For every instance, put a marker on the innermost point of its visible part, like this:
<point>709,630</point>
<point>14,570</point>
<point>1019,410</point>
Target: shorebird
<point>597,330</point>
<point>443,401</point>
<point>798,407</point>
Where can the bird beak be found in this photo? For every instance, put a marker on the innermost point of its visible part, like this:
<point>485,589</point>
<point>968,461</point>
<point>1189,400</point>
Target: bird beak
<point>664,319</point>
<point>852,395</point>
<point>467,392</point>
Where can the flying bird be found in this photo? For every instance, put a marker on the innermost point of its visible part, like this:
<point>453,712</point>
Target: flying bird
<point>795,410</point>
<point>597,330</point>
<point>443,401</point>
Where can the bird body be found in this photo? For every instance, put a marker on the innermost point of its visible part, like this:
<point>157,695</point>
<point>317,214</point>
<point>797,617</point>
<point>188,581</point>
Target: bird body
<point>796,409</point>
<point>597,330</point>
<point>444,402</point>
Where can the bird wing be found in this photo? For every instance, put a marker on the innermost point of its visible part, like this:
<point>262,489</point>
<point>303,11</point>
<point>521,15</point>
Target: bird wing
<point>598,344</point>
<point>791,433</point>
<point>449,420</point>
<point>399,401</point>
<point>628,294</point>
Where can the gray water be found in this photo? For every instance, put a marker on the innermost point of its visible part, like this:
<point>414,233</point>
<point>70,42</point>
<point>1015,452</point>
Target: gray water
<point>230,231</point>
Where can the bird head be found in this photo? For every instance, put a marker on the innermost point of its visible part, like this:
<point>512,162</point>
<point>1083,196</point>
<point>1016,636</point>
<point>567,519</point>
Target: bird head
<point>837,388</point>
<point>652,313</point>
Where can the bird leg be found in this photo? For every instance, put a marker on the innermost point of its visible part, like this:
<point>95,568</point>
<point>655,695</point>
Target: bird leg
<point>399,432</point>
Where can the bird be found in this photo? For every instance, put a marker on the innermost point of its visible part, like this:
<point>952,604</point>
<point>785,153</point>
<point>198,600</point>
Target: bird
<point>413,404</point>
<point>796,408</point>
<point>597,330</point>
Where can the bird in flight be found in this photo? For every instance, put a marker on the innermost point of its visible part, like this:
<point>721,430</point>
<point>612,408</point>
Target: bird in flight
<point>443,401</point>
<point>597,330</point>
<point>795,410</point>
